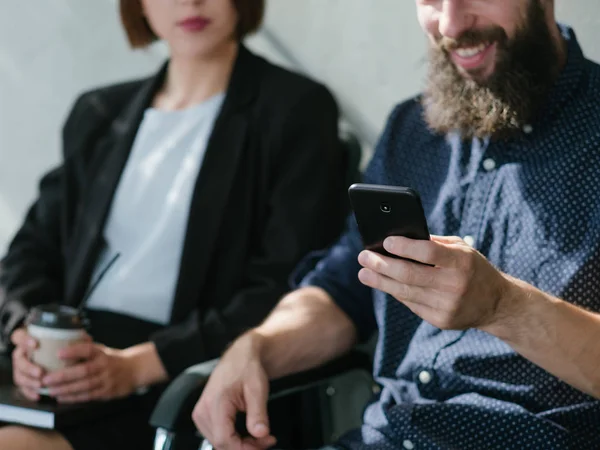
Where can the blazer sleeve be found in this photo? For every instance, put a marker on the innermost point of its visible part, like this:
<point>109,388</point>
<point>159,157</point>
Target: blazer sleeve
<point>307,207</point>
<point>32,270</point>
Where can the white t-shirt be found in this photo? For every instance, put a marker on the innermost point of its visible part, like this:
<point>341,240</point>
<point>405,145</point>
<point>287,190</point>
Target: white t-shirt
<point>148,219</point>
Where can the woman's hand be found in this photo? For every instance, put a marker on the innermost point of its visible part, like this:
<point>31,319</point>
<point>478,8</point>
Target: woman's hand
<point>103,374</point>
<point>27,376</point>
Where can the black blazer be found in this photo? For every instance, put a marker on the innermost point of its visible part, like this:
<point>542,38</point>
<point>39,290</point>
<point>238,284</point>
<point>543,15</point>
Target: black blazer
<point>269,191</point>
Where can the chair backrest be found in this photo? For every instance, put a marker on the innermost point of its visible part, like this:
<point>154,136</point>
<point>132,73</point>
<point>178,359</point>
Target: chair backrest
<point>353,154</point>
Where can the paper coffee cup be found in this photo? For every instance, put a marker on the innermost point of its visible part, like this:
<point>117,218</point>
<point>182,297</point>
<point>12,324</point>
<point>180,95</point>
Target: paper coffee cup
<point>54,327</point>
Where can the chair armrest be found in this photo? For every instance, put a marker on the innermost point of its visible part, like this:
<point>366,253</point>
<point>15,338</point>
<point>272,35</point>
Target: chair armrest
<point>173,412</point>
<point>355,360</point>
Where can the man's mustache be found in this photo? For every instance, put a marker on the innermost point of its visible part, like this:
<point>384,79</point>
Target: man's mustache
<point>472,38</point>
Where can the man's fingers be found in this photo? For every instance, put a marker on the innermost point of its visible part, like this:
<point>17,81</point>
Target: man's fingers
<point>199,418</point>
<point>406,272</point>
<point>256,395</point>
<point>449,240</point>
<point>400,291</point>
<point>411,274</point>
<point>426,252</point>
<point>223,433</point>
<point>429,308</point>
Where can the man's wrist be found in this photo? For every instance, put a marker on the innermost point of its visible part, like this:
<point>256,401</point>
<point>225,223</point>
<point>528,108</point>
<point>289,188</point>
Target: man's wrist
<point>510,309</point>
<point>257,343</point>
<point>518,310</point>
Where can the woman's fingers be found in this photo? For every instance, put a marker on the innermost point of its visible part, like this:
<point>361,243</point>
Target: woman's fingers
<point>30,394</point>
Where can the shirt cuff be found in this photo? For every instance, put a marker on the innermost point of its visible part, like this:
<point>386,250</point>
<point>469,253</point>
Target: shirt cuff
<point>342,285</point>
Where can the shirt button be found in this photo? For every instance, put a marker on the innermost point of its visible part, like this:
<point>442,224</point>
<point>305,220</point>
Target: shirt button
<point>489,164</point>
<point>408,445</point>
<point>527,129</point>
<point>425,377</point>
<point>469,240</point>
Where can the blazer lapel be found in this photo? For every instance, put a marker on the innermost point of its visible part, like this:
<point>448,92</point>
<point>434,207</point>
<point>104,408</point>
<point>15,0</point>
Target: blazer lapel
<point>116,145</point>
<point>213,186</point>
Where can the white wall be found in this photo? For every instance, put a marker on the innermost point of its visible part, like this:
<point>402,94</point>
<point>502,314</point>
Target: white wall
<point>371,53</point>
<point>50,50</point>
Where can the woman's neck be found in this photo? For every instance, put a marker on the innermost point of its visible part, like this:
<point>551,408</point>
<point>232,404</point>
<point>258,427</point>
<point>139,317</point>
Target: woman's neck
<point>191,81</point>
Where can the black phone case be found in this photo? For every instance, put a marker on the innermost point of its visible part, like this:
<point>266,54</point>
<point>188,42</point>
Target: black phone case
<point>383,211</point>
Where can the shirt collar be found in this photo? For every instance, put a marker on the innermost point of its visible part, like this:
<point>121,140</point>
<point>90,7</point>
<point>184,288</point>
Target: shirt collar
<point>569,80</point>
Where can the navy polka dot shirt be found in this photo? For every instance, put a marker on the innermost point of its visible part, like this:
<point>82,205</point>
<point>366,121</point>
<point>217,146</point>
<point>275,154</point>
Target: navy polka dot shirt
<point>531,205</point>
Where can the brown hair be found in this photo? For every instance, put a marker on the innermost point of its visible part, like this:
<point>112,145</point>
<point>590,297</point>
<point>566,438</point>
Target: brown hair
<point>140,34</point>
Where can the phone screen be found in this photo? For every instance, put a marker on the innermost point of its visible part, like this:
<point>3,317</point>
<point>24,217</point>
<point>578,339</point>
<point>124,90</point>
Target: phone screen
<point>383,211</point>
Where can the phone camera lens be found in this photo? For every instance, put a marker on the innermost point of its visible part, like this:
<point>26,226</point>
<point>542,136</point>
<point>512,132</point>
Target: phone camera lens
<point>385,208</point>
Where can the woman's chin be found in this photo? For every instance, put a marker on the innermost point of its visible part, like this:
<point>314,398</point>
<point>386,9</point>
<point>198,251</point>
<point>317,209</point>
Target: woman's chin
<point>199,50</point>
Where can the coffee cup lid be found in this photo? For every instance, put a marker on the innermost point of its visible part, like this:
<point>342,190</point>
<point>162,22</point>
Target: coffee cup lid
<point>56,316</point>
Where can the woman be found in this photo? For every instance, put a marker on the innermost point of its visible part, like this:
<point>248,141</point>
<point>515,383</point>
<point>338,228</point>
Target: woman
<point>210,180</point>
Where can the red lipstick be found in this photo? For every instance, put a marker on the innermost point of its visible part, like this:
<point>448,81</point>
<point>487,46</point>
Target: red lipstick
<point>194,24</point>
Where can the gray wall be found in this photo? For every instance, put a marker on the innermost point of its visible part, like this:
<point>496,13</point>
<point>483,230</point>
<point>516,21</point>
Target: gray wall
<point>371,53</point>
<point>49,52</point>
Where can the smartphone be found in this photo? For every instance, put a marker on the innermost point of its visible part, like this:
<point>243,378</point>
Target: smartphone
<point>383,211</point>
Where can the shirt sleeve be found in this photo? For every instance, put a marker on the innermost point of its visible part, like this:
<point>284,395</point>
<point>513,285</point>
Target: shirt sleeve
<point>337,271</point>
<point>337,274</point>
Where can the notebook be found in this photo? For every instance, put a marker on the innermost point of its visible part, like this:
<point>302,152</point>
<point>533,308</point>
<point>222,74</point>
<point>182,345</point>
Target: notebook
<point>16,409</point>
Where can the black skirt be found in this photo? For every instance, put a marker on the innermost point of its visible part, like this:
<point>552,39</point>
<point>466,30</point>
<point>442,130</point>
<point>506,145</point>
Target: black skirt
<point>127,429</point>
<point>123,430</point>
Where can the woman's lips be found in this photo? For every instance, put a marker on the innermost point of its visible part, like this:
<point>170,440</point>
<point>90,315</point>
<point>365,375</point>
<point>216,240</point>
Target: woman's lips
<point>194,24</point>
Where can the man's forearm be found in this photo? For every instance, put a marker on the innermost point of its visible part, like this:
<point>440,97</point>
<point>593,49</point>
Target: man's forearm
<point>557,336</point>
<point>305,330</point>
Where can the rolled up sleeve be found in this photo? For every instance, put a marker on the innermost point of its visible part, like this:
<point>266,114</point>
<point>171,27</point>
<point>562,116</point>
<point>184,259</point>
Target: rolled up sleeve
<point>336,272</point>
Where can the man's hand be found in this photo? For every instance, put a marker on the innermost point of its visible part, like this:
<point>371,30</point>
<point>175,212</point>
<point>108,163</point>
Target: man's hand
<point>238,383</point>
<point>102,374</point>
<point>462,290</point>
<point>27,376</point>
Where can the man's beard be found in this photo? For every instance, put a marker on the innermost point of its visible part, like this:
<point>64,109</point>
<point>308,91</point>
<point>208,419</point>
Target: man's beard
<point>510,98</point>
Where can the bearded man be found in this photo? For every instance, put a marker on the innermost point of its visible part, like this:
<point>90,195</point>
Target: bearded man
<point>493,342</point>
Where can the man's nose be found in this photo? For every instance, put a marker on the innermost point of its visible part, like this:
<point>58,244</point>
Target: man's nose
<point>454,19</point>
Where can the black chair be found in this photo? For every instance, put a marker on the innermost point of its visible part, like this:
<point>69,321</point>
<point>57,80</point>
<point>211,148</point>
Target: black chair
<point>313,427</point>
<point>353,156</point>
<point>307,410</point>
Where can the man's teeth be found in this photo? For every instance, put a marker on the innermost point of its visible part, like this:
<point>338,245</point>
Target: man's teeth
<point>469,52</point>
